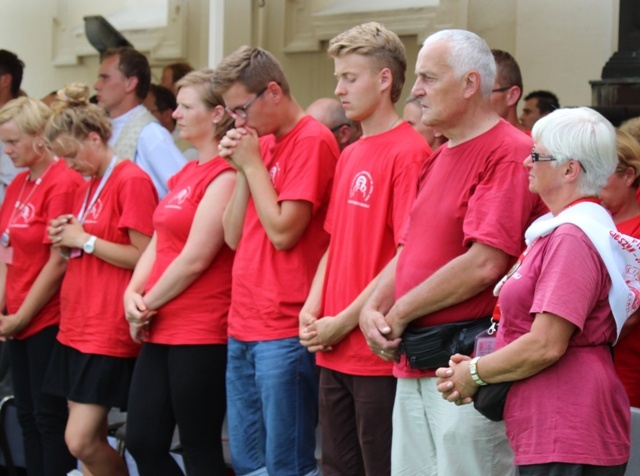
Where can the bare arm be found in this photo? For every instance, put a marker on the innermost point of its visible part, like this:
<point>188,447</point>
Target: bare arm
<point>205,240</point>
<point>284,222</point>
<point>373,324</point>
<point>460,279</point>
<point>66,231</point>
<point>135,310</point>
<point>43,289</point>
<point>233,217</point>
<point>329,330</point>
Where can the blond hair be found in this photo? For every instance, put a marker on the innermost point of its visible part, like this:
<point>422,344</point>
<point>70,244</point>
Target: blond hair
<point>202,80</point>
<point>631,127</point>
<point>252,67</point>
<point>382,45</point>
<point>628,150</point>
<point>74,115</point>
<point>29,115</point>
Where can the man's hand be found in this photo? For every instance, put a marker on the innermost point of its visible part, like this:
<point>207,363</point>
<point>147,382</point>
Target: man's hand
<point>376,331</point>
<point>241,148</point>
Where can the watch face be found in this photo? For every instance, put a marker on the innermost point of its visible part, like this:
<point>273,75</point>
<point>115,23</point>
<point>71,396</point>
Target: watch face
<point>89,245</point>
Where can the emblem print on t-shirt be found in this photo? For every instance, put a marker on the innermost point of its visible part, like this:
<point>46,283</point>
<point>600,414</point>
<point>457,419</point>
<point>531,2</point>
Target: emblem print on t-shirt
<point>27,212</point>
<point>273,173</point>
<point>93,214</point>
<point>361,189</point>
<point>178,199</point>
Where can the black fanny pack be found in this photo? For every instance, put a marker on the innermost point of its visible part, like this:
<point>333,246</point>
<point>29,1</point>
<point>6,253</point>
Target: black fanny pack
<point>428,348</point>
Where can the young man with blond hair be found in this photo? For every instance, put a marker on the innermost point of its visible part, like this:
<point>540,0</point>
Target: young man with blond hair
<point>374,189</point>
<point>285,161</point>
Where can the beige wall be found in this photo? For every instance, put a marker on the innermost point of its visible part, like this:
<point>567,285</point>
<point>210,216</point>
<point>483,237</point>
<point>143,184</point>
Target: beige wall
<point>560,45</point>
<point>28,27</point>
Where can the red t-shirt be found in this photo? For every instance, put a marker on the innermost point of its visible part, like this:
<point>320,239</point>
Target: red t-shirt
<point>627,350</point>
<point>92,314</point>
<point>375,186</point>
<point>269,286</point>
<point>199,314</point>
<point>576,410</point>
<point>29,237</point>
<point>474,192</point>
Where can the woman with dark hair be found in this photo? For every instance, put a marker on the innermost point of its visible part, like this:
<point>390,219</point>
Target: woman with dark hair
<point>178,299</point>
<point>110,227</point>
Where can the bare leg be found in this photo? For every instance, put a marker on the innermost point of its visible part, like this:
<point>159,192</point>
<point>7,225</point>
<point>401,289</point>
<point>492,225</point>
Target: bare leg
<point>86,437</point>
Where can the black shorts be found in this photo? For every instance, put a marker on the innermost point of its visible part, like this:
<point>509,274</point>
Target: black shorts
<point>89,378</point>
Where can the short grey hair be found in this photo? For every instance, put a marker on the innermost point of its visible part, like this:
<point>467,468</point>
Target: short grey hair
<point>468,52</point>
<point>584,135</point>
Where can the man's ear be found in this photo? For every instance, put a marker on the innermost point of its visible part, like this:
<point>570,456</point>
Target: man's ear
<point>274,91</point>
<point>472,83</point>
<point>513,95</point>
<point>386,79</point>
<point>131,83</point>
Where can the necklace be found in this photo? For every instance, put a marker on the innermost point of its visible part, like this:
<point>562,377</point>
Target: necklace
<point>5,238</point>
<point>394,123</point>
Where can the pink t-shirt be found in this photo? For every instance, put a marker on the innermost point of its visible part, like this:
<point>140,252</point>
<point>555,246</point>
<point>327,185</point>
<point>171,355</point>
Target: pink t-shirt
<point>375,186</point>
<point>270,286</point>
<point>29,237</point>
<point>576,410</point>
<point>92,314</point>
<point>627,350</point>
<point>477,191</point>
<point>199,314</point>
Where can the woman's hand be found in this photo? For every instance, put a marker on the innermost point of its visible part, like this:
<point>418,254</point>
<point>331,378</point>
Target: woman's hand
<point>455,382</point>
<point>139,333</point>
<point>135,309</point>
<point>67,231</point>
<point>11,324</point>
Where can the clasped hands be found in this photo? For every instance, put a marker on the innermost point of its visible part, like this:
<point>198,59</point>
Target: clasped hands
<point>137,314</point>
<point>67,232</point>
<point>240,147</point>
<point>382,332</point>
<point>455,382</point>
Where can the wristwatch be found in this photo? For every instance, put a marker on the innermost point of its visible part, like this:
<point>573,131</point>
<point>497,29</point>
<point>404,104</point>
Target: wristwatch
<point>90,245</point>
<point>473,369</point>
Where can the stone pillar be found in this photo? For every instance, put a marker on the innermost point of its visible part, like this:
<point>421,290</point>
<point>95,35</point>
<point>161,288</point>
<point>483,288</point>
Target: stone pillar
<point>620,83</point>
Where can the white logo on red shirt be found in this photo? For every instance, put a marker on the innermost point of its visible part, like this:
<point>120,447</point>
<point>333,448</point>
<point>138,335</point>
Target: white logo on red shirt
<point>361,189</point>
<point>25,216</point>
<point>273,172</point>
<point>93,214</point>
<point>178,199</point>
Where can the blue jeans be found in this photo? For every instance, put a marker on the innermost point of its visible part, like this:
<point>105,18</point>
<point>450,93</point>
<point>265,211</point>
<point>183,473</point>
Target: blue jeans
<point>272,408</point>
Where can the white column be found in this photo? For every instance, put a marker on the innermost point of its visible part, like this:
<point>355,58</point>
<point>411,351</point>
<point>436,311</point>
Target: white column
<point>216,31</point>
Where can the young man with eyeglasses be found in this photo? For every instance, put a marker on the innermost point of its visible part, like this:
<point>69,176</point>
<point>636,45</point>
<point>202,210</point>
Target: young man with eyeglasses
<point>285,161</point>
<point>464,230</point>
<point>375,185</point>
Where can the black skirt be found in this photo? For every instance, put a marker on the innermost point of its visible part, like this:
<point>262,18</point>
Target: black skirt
<point>89,378</point>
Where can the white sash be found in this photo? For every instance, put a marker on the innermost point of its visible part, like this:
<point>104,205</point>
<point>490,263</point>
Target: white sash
<point>620,253</point>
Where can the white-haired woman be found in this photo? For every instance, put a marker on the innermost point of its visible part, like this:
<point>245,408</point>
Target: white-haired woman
<point>566,412</point>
